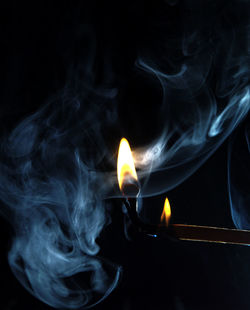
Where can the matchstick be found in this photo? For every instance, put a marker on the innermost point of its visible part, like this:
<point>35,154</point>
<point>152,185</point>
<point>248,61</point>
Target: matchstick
<point>210,234</point>
<point>187,232</point>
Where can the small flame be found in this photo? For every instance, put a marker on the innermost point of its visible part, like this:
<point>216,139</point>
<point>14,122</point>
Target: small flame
<point>166,213</point>
<point>126,172</point>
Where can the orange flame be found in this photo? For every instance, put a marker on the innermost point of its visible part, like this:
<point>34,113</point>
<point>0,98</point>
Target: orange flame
<point>125,164</point>
<point>166,213</point>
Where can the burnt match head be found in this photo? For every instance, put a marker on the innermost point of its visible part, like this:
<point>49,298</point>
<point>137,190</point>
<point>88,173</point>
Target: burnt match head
<point>130,187</point>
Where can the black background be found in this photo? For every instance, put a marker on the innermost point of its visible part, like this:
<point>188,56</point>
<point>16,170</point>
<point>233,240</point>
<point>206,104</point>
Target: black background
<point>38,48</point>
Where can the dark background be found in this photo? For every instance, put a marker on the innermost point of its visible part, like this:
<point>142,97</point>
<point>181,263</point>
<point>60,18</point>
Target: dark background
<point>38,50</point>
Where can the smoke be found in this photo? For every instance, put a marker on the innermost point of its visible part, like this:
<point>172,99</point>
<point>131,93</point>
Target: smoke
<point>203,74</point>
<point>186,91</point>
<point>238,177</point>
<point>57,213</point>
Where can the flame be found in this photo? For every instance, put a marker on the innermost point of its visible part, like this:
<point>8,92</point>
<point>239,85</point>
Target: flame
<point>166,213</point>
<point>125,164</point>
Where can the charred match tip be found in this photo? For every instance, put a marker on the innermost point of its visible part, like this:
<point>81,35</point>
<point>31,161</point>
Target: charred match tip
<point>130,189</point>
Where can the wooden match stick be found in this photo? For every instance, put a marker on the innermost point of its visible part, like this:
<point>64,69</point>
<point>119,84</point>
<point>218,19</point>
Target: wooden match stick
<point>210,234</point>
<point>188,232</point>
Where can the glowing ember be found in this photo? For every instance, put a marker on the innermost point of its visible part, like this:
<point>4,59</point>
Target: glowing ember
<point>166,213</point>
